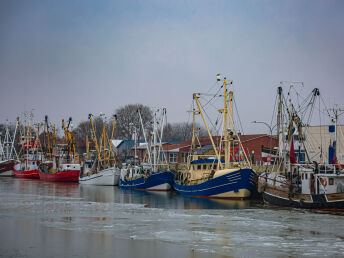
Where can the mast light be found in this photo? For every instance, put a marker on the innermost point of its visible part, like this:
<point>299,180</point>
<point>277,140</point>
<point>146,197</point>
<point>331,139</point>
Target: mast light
<point>218,77</point>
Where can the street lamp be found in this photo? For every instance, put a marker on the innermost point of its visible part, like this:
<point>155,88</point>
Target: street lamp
<point>270,129</point>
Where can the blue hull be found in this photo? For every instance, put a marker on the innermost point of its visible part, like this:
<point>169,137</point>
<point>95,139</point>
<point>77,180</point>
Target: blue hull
<point>151,183</point>
<point>226,186</point>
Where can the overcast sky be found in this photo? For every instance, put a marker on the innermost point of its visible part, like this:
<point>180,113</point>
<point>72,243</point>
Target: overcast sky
<point>72,58</point>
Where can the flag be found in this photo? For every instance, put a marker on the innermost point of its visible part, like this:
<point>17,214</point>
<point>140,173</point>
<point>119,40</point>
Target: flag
<point>292,152</point>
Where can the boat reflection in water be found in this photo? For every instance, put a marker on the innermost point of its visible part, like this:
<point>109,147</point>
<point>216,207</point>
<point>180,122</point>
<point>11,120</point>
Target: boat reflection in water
<point>171,200</point>
<point>97,193</point>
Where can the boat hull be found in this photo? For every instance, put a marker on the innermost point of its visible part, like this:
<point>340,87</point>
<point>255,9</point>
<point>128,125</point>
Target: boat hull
<point>61,176</point>
<point>109,176</point>
<point>238,184</point>
<point>33,174</point>
<point>158,181</point>
<point>7,168</point>
<point>305,201</point>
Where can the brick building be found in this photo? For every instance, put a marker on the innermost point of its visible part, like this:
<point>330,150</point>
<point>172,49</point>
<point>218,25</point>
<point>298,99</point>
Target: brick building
<point>178,152</point>
<point>252,143</point>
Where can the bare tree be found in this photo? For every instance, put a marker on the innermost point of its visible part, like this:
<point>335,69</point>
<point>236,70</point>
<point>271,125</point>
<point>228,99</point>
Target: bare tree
<point>80,133</point>
<point>128,119</point>
<point>181,131</point>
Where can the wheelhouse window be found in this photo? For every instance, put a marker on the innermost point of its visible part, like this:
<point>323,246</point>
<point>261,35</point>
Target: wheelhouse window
<point>331,181</point>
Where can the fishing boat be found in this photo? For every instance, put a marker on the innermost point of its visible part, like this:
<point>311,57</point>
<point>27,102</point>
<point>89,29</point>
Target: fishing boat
<point>61,163</point>
<point>30,154</point>
<point>311,185</point>
<point>99,167</point>
<point>8,154</point>
<point>153,173</point>
<point>217,175</point>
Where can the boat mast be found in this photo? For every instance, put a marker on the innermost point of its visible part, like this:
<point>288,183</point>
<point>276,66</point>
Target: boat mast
<point>144,135</point>
<point>162,126</point>
<point>135,145</point>
<point>6,142</point>
<point>95,137</point>
<point>155,129</point>
<point>227,118</point>
<point>335,120</point>
<point>225,124</point>
<point>194,130</point>
<point>1,150</point>
<point>209,133</point>
<point>13,139</point>
<point>48,136</point>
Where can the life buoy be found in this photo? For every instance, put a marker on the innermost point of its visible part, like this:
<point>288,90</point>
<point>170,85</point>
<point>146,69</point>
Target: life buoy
<point>323,181</point>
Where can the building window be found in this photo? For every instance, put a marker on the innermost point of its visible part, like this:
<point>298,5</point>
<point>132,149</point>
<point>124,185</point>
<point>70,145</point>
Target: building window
<point>330,181</point>
<point>184,157</point>
<point>199,167</point>
<point>173,157</point>
<point>204,167</point>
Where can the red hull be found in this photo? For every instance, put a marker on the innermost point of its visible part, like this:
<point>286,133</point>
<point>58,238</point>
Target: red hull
<point>26,174</point>
<point>6,166</point>
<point>61,176</point>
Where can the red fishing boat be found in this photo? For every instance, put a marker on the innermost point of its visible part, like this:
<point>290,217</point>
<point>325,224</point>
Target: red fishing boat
<point>61,163</point>
<point>66,173</point>
<point>30,154</point>
<point>26,173</point>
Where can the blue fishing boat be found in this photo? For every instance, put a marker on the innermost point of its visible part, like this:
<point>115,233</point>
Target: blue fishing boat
<point>219,174</point>
<point>156,181</point>
<point>235,183</point>
<point>153,174</point>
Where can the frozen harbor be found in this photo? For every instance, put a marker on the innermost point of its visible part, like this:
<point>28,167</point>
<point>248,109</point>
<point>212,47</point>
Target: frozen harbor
<point>42,219</point>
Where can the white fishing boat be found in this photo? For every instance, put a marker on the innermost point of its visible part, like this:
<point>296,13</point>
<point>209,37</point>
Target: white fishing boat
<point>8,154</point>
<point>99,166</point>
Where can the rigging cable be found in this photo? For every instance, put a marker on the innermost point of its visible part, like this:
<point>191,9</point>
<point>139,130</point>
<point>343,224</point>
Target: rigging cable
<point>237,112</point>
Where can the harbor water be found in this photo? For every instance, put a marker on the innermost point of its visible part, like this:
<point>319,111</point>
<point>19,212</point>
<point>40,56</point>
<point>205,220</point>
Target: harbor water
<point>46,219</point>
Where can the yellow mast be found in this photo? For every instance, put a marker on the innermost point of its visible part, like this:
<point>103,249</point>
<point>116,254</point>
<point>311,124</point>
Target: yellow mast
<point>112,133</point>
<point>54,136</point>
<point>225,124</point>
<point>230,125</point>
<point>104,143</point>
<point>66,136</point>
<point>194,135</point>
<point>209,133</point>
<point>227,118</point>
<point>69,137</point>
